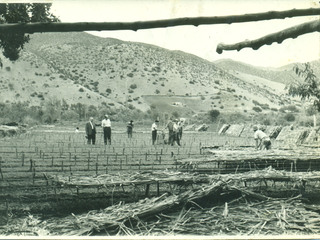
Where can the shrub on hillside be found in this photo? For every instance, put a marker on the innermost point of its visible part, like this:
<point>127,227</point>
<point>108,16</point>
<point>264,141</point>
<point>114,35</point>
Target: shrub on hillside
<point>213,115</point>
<point>289,117</point>
<point>108,90</point>
<point>257,109</point>
<point>133,86</point>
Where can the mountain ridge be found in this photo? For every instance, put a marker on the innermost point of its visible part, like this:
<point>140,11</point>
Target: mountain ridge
<point>83,68</point>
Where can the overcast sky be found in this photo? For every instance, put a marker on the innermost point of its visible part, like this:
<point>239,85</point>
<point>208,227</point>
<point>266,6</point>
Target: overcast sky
<point>201,41</point>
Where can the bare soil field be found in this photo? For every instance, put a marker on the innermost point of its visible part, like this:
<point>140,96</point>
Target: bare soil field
<point>53,183</point>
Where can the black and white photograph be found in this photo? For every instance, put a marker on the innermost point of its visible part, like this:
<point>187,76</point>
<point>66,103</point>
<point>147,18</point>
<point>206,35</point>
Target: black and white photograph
<point>160,119</point>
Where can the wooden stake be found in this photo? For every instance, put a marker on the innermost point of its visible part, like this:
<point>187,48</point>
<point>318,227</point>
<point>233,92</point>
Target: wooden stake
<point>158,189</point>
<point>31,164</point>
<point>147,190</point>
<point>1,168</point>
<point>22,158</point>
<point>34,173</point>
<point>175,162</point>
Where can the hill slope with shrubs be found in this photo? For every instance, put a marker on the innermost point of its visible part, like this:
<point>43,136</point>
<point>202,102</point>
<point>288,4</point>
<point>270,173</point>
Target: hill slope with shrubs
<point>79,68</point>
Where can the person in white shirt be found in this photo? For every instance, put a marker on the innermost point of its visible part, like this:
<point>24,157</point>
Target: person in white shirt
<point>154,129</point>
<point>175,133</point>
<point>106,126</point>
<point>262,139</point>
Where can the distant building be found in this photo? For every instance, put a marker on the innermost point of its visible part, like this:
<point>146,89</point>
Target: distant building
<point>178,104</point>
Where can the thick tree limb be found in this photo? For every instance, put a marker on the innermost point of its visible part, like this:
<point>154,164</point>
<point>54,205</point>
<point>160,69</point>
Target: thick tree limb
<point>108,26</point>
<point>293,32</point>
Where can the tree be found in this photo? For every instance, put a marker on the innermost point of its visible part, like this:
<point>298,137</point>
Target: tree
<point>213,114</point>
<point>308,27</point>
<point>307,87</point>
<point>13,42</point>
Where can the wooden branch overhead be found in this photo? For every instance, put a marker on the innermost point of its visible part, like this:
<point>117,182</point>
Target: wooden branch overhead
<point>293,32</point>
<point>111,26</point>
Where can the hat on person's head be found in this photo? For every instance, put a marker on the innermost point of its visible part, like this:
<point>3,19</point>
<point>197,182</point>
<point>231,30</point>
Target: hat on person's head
<point>106,115</point>
<point>131,121</point>
<point>156,120</point>
<point>255,128</point>
<point>91,118</point>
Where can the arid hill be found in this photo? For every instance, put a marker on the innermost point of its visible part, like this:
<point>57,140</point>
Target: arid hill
<point>79,67</point>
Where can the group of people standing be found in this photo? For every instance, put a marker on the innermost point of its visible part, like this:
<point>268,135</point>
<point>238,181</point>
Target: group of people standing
<point>91,130</point>
<point>174,127</point>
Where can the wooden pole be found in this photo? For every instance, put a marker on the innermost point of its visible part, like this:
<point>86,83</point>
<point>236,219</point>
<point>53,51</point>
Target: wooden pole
<point>31,164</point>
<point>1,168</point>
<point>22,158</point>
<point>163,23</point>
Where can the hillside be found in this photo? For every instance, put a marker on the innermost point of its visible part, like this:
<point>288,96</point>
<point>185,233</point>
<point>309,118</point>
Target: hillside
<point>79,67</point>
<point>283,75</point>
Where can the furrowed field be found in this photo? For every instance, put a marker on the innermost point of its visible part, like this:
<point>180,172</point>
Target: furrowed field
<point>49,174</point>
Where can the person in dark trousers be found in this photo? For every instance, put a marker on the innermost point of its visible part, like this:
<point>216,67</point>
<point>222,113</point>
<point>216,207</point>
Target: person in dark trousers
<point>129,129</point>
<point>171,133</point>
<point>154,129</point>
<point>91,131</point>
<point>180,128</point>
<point>106,126</point>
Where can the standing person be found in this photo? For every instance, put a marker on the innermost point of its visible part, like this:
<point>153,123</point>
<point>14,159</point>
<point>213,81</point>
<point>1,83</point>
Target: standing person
<point>106,126</point>
<point>170,129</point>
<point>130,128</point>
<point>175,133</point>
<point>154,129</point>
<point>91,131</point>
<point>180,127</point>
<point>262,139</point>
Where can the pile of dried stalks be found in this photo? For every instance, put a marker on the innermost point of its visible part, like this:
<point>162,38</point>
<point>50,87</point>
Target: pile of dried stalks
<point>217,208</point>
<point>129,178</point>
